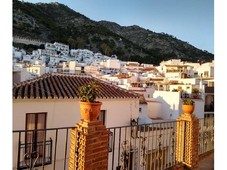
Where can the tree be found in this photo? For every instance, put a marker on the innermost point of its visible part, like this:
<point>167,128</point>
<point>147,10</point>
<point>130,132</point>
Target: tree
<point>105,49</point>
<point>80,42</point>
<point>71,42</point>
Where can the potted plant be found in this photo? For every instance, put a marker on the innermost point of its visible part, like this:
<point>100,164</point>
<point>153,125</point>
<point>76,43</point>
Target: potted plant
<point>89,107</point>
<point>188,106</point>
<point>195,92</point>
<point>174,90</point>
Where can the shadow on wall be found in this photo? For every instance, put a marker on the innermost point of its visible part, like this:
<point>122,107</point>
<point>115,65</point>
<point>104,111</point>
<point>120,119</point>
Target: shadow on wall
<point>167,110</point>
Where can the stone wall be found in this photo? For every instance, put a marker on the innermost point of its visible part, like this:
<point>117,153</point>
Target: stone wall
<point>17,39</point>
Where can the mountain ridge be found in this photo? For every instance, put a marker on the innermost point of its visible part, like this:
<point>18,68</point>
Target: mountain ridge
<point>51,22</point>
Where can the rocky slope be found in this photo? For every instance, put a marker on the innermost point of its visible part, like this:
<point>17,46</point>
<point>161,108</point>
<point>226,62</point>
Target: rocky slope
<point>52,22</point>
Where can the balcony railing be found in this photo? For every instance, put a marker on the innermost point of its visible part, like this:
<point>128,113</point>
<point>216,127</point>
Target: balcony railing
<point>147,146</point>
<point>206,135</point>
<point>209,89</point>
<point>35,154</point>
<point>209,107</point>
<point>30,155</point>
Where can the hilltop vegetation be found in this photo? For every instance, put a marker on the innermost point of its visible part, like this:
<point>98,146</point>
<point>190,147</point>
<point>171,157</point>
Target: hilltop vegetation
<point>55,22</point>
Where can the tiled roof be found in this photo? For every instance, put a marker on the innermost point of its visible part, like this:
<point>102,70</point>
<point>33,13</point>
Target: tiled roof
<point>55,85</point>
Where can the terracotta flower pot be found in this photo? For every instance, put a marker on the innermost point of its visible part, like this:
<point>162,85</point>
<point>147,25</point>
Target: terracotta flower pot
<point>90,111</point>
<point>188,109</point>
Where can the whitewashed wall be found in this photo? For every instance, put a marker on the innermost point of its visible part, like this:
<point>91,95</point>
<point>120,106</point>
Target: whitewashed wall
<point>170,103</point>
<point>143,116</point>
<point>65,113</point>
<point>173,75</point>
<point>113,63</point>
<point>154,109</point>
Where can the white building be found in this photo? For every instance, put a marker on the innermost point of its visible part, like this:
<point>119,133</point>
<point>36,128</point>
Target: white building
<point>36,69</point>
<point>206,70</point>
<point>176,68</point>
<point>47,52</point>
<point>27,58</point>
<point>62,48</point>
<point>53,100</point>
<point>111,63</point>
<point>20,75</point>
<point>50,46</point>
<point>64,93</point>
<point>171,105</point>
<point>17,54</point>
<point>19,72</point>
<point>143,116</point>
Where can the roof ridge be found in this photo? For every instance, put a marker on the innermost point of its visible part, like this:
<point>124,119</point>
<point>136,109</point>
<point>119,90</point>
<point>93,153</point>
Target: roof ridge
<point>48,75</point>
<point>32,80</point>
<point>70,74</point>
<point>56,85</point>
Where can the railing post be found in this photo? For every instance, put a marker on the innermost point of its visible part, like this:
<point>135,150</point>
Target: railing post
<point>89,146</point>
<point>187,140</point>
<point>18,153</point>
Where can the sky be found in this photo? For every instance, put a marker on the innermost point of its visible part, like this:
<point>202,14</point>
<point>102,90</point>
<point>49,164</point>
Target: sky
<point>188,20</point>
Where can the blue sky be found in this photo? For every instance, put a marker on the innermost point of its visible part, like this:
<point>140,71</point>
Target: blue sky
<point>188,20</point>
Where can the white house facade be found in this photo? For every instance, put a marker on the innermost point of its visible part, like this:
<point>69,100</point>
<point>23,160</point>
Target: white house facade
<point>52,101</point>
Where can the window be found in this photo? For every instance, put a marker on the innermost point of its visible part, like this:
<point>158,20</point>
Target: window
<point>210,84</point>
<point>206,74</point>
<point>140,109</point>
<point>34,139</point>
<point>180,88</point>
<point>36,150</point>
<point>102,116</point>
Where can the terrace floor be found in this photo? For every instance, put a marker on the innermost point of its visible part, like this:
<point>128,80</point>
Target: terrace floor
<point>207,163</point>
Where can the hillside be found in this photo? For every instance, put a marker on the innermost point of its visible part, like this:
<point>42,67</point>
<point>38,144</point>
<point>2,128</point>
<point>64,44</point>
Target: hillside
<point>57,22</point>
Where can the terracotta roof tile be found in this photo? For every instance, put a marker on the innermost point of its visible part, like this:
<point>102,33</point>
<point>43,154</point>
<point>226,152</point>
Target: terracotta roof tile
<point>55,85</point>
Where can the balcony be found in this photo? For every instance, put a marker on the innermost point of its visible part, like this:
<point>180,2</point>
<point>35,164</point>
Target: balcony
<point>173,70</point>
<point>146,146</point>
<point>209,108</point>
<point>209,89</point>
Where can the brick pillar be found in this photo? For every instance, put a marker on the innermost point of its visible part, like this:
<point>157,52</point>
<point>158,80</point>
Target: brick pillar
<point>89,146</point>
<point>187,140</point>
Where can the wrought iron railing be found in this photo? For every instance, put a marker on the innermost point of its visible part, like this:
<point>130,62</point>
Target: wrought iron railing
<point>135,147</point>
<point>206,134</point>
<point>35,154</point>
<point>209,107</point>
<point>148,146</point>
<point>30,155</point>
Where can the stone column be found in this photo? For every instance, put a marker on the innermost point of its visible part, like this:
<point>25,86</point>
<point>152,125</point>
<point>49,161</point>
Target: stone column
<point>187,140</point>
<point>89,146</point>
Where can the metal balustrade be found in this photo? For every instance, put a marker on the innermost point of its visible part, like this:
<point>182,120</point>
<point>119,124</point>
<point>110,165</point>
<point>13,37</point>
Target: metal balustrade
<point>148,146</point>
<point>206,134</point>
<point>135,147</point>
<point>33,155</point>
